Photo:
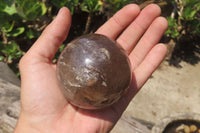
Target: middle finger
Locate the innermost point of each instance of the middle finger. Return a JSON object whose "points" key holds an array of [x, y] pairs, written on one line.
{"points": [[136, 29]]}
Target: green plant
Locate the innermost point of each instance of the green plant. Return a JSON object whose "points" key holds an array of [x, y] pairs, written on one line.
{"points": [[16, 26], [10, 52], [191, 15], [185, 18], [115, 5], [30, 9], [172, 30], [184, 30], [90, 6], [71, 4], [14, 13]]}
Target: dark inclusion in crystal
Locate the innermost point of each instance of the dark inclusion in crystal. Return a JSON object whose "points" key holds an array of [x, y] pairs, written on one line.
{"points": [[93, 72]]}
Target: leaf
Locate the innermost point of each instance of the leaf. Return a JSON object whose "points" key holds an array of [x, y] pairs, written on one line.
{"points": [[189, 13], [30, 34], [172, 28], [10, 10], [61, 47], [175, 34], [16, 32], [91, 6], [12, 50], [44, 9], [172, 22], [84, 8], [10, 28], [30, 9], [197, 6]]}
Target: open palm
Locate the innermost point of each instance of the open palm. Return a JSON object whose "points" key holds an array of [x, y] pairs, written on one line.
{"points": [[45, 110]]}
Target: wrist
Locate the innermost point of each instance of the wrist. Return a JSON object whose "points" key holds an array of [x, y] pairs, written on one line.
{"points": [[24, 126], [29, 124]]}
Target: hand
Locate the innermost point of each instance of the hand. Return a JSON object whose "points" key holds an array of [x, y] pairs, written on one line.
{"points": [[43, 107]]}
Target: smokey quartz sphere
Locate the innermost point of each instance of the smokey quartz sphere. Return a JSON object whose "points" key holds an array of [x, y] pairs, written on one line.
{"points": [[93, 72]]}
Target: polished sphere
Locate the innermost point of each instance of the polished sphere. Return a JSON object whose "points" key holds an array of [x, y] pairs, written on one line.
{"points": [[93, 72]]}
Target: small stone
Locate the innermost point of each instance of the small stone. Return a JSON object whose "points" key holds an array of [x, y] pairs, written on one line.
{"points": [[179, 128], [186, 129], [193, 128]]}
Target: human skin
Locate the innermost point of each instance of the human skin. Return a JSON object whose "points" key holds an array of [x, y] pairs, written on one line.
{"points": [[43, 107]]}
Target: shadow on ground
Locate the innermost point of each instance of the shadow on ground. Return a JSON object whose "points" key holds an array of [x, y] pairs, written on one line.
{"points": [[187, 49]]}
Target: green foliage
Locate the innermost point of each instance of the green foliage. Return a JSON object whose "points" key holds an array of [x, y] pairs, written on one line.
{"points": [[191, 7], [22, 21], [172, 28], [6, 14], [16, 32], [71, 4], [10, 10], [190, 3], [30, 34], [188, 21], [15, 25], [10, 51], [30, 9], [115, 5], [189, 13], [91, 6]]}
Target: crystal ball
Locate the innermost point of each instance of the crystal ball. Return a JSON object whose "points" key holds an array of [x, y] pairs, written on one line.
{"points": [[93, 72]]}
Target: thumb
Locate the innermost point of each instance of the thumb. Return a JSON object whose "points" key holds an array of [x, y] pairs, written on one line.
{"points": [[52, 37]]}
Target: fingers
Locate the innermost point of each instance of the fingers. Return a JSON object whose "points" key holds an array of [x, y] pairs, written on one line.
{"points": [[141, 75], [115, 25], [151, 37], [129, 38], [52, 37], [149, 64]]}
